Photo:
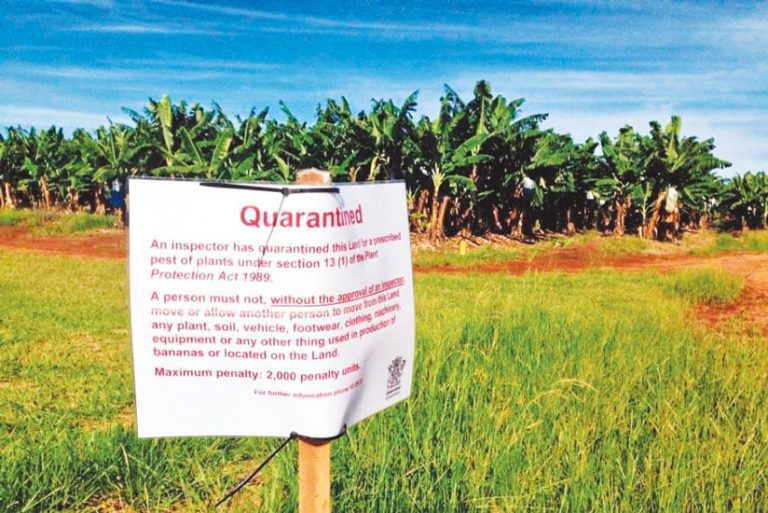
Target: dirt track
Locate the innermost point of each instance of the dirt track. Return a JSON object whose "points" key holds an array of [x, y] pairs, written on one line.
{"points": [[104, 244], [752, 306]]}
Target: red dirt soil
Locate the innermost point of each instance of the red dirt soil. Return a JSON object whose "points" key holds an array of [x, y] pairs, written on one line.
{"points": [[102, 244], [751, 307], [752, 267]]}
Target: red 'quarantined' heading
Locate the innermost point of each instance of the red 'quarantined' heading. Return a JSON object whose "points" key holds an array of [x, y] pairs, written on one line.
{"points": [[251, 215]]}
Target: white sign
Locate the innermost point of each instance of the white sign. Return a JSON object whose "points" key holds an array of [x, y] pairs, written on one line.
{"points": [[268, 310]]}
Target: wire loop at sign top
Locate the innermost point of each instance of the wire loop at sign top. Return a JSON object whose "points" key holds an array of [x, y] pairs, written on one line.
{"points": [[317, 441], [285, 191]]}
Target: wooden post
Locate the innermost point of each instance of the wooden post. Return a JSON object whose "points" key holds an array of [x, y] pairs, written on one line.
{"points": [[314, 458], [314, 477]]}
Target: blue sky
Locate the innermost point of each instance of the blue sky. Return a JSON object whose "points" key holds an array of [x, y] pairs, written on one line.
{"points": [[592, 65]]}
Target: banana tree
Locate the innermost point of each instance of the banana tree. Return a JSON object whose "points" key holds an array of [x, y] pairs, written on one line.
{"points": [[11, 166], [474, 128], [512, 143], [623, 174], [274, 160], [295, 144], [446, 165], [700, 201], [45, 156], [114, 153], [200, 159], [72, 182], [6, 175], [176, 134], [342, 143], [248, 158], [565, 170], [746, 198], [675, 161], [391, 128]]}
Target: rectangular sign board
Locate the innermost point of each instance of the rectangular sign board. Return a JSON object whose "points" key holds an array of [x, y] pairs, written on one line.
{"points": [[265, 310]]}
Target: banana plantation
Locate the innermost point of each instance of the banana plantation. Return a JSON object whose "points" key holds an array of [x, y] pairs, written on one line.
{"points": [[479, 168]]}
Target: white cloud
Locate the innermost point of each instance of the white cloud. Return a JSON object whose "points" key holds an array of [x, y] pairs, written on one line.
{"points": [[45, 117], [142, 28], [739, 138], [144, 72], [223, 9], [299, 23], [104, 4], [562, 88], [624, 25], [73, 72], [180, 61], [749, 30]]}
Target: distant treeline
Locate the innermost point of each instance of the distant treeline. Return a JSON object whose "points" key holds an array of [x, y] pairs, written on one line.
{"points": [[478, 168]]}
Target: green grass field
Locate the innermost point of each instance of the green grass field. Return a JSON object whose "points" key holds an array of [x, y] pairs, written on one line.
{"points": [[749, 241], [56, 222], [587, 392]]}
